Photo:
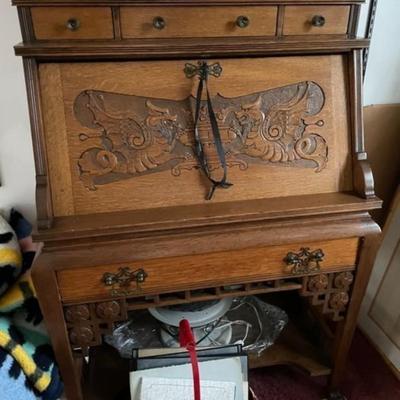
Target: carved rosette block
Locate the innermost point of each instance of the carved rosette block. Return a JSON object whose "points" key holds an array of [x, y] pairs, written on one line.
{"points": [[77, 313], [318, 283], [329, 292], [81, 336], [109, 310], [87, 323], [343, 280], [338, 301]]}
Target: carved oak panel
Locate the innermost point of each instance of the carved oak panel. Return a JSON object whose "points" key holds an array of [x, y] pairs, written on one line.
{"points": [[138, 135]]}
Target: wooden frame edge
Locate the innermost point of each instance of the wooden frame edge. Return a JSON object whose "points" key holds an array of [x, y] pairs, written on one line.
{"points": [[43, 197]]}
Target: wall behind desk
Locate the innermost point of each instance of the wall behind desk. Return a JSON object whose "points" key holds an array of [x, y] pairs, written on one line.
{"points": [[17, 168]]}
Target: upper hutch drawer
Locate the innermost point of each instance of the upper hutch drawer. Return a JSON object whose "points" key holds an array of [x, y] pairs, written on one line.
{"points": [[316, 20], [154, 22], [72, 23]]}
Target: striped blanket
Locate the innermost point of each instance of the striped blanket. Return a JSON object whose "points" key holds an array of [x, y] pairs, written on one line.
{"points": [[27, 367]]}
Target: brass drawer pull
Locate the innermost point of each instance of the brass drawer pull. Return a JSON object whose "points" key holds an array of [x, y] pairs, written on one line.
{"points": [[242, 21], [305, 261], [159, 23], [120, 282], [318, 21], [73, 24]]}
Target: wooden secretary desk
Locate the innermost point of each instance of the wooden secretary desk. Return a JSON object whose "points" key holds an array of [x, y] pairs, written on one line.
{"points": [[188, 150]]}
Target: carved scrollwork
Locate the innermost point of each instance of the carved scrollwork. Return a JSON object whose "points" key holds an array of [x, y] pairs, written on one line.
{"points": [[133, 135]]}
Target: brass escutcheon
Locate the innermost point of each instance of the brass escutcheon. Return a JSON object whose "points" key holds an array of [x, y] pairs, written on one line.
{"points": [[305, 261], [120, 282]]}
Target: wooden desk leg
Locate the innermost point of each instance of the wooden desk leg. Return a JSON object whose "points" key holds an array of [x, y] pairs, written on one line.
{"points": [[346, 329], [45, 283]]}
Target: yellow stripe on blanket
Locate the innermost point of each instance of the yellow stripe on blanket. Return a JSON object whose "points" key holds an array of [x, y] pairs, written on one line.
{"points": [[10, 256], [25, 361], [14, 297]]}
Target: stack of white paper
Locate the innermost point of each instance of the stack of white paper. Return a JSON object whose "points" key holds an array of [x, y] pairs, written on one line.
{"points": [[222, 378], [182, 389]]}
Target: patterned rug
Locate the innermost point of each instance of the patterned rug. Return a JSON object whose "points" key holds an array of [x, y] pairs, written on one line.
{"points": [[367, 377]]}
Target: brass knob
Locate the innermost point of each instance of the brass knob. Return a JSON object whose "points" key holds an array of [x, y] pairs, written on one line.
{"points": [[242, 21], [109, 279], [318, 21], [159, 23], [73, 24], [141, 276]]}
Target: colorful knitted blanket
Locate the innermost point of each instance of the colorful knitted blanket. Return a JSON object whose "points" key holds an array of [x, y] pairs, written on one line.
{"points": [[27, 367]]}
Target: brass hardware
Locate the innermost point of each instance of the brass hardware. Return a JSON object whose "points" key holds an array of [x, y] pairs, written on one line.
{"points": [[305, 261], [120, 282], [318, 21], [159, 23], [73, 24], [242, 21], [202, 69]]}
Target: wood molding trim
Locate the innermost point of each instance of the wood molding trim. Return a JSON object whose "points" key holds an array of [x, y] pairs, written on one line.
{"points": [[179, 48], [43, 197], [176, 2], [363, 179], [201, 240], [354, 20], [25, 20]]}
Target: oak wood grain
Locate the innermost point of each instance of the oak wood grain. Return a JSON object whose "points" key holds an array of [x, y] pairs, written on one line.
{"points": [[56, 141], [184, 242], [51, 23], [166, 80], [177, 2], [50, 304], [345, 330], [43, 194], [298, 20], [142, 49], [203, 270], [191, 218], [137, 22]]}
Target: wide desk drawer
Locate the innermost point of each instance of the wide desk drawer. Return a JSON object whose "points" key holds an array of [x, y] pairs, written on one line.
{"points": [[72, 23], [170, 22], [187, 272], [316, 20]]}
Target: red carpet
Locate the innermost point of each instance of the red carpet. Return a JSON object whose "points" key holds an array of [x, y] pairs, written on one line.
{"points": [[367, 378]]}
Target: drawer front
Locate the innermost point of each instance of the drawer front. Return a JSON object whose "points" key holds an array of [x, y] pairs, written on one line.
{"points": [[316, 20], [155, 22], [72, 23], [201, 271]]}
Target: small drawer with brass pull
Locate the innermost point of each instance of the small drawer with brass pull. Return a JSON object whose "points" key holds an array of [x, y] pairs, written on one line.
{"points": [[174, 22], [316, 20], [55, 23]]}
